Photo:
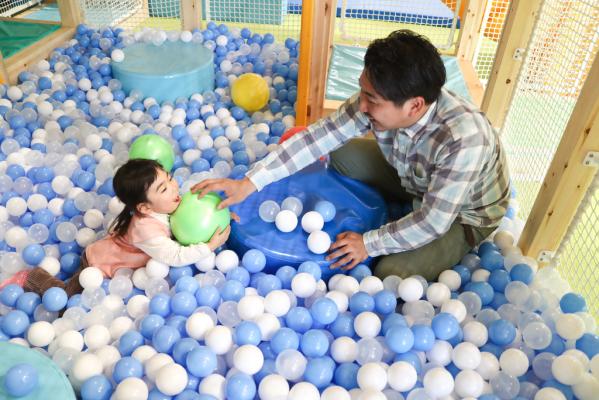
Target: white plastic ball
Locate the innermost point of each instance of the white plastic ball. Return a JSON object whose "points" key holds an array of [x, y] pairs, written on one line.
{"points": [[410, 289], [248, 359], [549, 393], [372, 376], [86, 366], [344, 349], [213, 385], [367, 324], [567, 369], [273, 387], [91, 278], [286, 221], [51, 265], [319, 242], [466, 356], [438, 293], [171, 379], [451, 279], [250, 307], [219, 339], [131, 389], [40, 333], [303, 391], [226, 260], [312, 221], [155, 363], [489, 365], [198, 324], [402, 376], [277, 303], [303, 285], [469, 383], [438, 382], [514, 362], [476, 333]]}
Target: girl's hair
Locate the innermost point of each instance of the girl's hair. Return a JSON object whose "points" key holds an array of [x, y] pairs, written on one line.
{"points": [[131, 183]]}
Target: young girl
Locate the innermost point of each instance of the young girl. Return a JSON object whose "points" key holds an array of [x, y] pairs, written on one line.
{"points": [[140, 232]]}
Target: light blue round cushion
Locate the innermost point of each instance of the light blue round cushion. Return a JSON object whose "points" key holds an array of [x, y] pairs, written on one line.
{"points": [[52, 383], [166, 72]]}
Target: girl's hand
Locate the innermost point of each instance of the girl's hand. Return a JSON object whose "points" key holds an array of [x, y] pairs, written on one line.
{"points": [[219, 238], [234, 217]]}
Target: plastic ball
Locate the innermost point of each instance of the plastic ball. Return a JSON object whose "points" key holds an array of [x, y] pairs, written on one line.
{"points": [[196, 220], [268, 210], [171, 379], [21, 380], [40, 334], [250, 92], [286, 221], [131, 389], [273, 387], [54, 299], [153, 147], [410, 289], [438, 382], [248, 359], [312, 221], [326, 209], [469, 383], [319, 242], [240, 386], [91, 277], [401, 376], [201, 362]]}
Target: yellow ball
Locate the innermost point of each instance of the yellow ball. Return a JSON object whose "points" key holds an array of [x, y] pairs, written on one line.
{"points": [[250, 92]]}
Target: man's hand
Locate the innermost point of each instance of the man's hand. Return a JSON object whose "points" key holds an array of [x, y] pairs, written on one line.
{"points": [[235, 190], [349, 250]]}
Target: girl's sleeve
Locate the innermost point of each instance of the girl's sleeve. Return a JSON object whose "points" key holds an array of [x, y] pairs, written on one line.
{"points": [[169, 252]]}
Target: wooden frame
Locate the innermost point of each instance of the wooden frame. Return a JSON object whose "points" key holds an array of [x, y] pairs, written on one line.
{"points": [[191, 14], [519, 23], [568, 178], [70, 15], [467, 42], [305, 64]]}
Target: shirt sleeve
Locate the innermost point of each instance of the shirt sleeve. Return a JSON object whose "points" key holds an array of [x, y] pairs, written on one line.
{"points": [[457, 169], [319, 139], [169, 252]]}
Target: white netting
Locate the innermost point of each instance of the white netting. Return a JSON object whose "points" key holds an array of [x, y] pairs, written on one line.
{"points": [[8, 8], [564, 41], [361, 21], [281, 18], [132, 14], [490, 34], [578, 255]]}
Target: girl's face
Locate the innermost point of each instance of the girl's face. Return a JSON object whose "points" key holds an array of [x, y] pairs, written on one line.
{"points": [[163, 195]]}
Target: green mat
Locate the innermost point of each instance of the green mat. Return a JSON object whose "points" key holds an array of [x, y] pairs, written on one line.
{"points": [[15, 36], [347, 63]]}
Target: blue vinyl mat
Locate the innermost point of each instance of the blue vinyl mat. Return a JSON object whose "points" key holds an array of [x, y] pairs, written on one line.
{"points": [[347, 63]]}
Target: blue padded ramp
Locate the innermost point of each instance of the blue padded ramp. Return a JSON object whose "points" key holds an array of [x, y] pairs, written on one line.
{"points": [[359, 209]]}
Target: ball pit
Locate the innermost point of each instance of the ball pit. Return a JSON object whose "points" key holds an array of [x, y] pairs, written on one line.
{"points": [[493, 327]]}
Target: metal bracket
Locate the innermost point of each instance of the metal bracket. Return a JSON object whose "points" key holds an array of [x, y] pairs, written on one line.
{"points": [[519, 54], [591, 159], [545, 256]]}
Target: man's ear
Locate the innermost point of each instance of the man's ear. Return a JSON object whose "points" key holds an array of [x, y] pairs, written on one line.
{"points": [[416, 105]]}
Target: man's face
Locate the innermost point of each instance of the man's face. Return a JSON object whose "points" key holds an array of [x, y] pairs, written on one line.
{"points": [[384, 114]]}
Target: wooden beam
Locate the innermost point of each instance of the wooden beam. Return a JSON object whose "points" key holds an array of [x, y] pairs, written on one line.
{"points": [[70, 13], [324, 26], [517, 30], [32, 54], [191, 14], [3, 72], [470, 29], [568, 178], [30, 21], [305, 63], [330, 106], [475, 88]]}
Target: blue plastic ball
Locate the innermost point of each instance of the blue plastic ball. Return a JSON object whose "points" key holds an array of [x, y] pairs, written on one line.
{"points": [[33, 254], [201, 361], [127, 367], [54, 299], [400, 339], [572, 303], [320, 371], [240, 386], [312, 268], [314, 343], [21, 380], [247, 332], [324, 310], [283, 339], [98, 387], [254, 260], [502, 332], [445, 326], [10, 294], [522, 273]]}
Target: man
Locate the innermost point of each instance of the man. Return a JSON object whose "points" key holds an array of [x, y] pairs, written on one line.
{"points": [[430, 147]]}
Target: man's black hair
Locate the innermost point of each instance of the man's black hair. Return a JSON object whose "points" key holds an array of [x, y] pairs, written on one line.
{"points": [[404, 65]]}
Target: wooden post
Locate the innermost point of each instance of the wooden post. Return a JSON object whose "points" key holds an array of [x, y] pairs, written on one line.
{"points": [[470, 29], [305, 63], [3, 71], [469, 35], [191, 14], [568, 177], [517, 30], [70, 13], [324, 26]]}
